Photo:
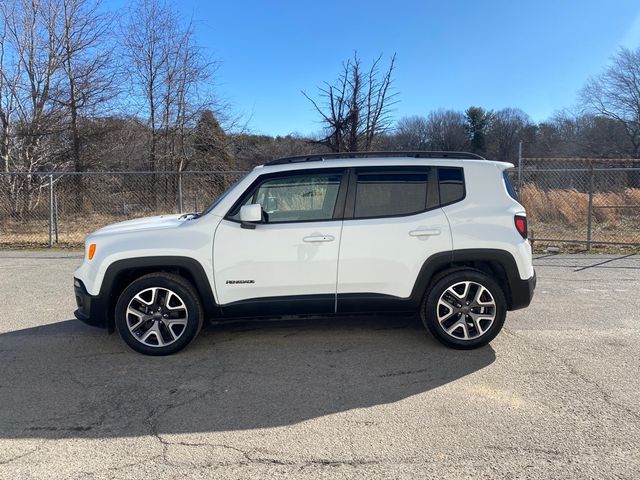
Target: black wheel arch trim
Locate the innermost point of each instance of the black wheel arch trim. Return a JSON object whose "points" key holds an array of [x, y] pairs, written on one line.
{"points": [[116, 279], [518, 292]]}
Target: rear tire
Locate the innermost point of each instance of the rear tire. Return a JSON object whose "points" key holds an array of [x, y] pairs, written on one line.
{"points": [[159, 314], [465, 309]]}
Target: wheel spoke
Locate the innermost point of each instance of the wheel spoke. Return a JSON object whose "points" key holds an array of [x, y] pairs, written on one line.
{"points": [[154, 295], [155, 331], [454, 327], [460, 296], [476, 299], [451, 310], [167, 302], [476, 322]]}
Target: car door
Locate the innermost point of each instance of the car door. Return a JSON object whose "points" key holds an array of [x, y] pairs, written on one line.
{"points": [[288, 263], [393, 223]]}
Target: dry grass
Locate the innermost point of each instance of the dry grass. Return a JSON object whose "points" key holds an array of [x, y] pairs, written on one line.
{"points": [[71, 230], [558, 214], [570, 207], [562, 214]]}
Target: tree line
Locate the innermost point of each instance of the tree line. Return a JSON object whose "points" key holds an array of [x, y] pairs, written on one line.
{"points": [[84, 89]]}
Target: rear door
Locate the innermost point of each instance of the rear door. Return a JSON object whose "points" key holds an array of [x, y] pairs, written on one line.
{"points": [[393, 223]]}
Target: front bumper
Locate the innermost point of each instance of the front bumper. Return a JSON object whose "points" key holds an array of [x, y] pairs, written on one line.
{"points": [[92, 310], [522, 292]]}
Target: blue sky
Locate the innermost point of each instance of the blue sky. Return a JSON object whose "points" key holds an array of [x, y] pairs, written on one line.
{"points": [[535, 55]]}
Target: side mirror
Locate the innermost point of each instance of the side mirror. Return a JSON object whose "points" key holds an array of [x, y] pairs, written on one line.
{"points": [[250, 215]]}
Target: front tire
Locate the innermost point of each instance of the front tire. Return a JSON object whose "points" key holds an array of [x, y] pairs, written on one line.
{"points": [[465, 309], [158, 314]]}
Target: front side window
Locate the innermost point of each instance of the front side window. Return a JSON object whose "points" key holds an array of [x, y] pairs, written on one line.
{"points": [[390, 194], [299, 198]]}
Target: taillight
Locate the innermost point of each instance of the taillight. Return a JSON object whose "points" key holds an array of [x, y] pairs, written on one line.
{"points": [[521, 225]]}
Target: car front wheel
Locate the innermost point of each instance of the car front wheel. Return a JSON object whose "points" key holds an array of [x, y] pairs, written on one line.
{"points": [[465, 309], [158, 314]]}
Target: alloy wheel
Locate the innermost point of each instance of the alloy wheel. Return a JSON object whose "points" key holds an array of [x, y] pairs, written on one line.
{"points": [[157, 317], [466, 310]]}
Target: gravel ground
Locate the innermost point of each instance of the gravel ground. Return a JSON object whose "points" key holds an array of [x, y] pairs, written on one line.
{"points": [[556, 395]]}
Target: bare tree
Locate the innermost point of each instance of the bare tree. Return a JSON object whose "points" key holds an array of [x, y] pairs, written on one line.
{"points": [[508, 127], [147, 40], [31, 65], [356, 108], [440, 130], [169, 77], [615, 94], [89, 72], [446, 130], [412, 133]]}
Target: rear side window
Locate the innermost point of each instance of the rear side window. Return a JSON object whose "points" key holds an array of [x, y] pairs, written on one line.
{"points": [[390, 194], [510, 189], [451, 182]]}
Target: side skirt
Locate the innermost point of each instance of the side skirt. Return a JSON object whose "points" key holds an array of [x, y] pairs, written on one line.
{"points": [[317, 304]]}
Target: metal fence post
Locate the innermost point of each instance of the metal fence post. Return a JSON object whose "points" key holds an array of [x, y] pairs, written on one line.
{"points": [[51, 211], [180, 191], [55, 216], [519, 167], [590, 208]]}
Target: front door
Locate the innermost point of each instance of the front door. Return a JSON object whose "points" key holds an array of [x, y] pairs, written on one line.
{"points": [[287, 264]]}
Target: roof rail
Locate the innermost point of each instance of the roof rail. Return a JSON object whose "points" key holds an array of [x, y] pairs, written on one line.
{"points": [[318, 157]]}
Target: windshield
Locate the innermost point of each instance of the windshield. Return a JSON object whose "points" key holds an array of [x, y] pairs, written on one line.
{"points": [[222, 196]]}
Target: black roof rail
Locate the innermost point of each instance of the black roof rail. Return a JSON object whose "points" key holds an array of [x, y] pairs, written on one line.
{"points": [[318, 157]]}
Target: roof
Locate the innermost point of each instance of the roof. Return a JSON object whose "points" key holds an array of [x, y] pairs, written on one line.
{"points": [[315, 157], [352, 159]]}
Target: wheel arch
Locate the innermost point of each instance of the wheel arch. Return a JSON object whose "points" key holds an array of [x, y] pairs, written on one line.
{"points": [[499, 264], [122, 272]]}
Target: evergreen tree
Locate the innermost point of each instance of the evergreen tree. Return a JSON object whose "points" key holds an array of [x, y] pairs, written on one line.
{"points": [[478, 121]]}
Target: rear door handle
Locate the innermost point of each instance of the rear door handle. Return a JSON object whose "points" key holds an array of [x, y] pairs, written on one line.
{"points": [[319, 238], [425, 233]]}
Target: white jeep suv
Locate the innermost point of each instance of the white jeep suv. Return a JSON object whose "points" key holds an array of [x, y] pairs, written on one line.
{"points": [[439, 233]]}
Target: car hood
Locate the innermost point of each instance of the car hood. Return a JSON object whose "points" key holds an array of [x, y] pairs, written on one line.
{"points": [[147, 223]]}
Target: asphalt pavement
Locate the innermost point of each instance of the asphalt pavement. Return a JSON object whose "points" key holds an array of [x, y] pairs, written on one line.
{"points": [[555, 396]]}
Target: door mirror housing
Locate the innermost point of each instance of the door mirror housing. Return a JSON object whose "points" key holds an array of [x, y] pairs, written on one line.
{"points": [[250, 215]]}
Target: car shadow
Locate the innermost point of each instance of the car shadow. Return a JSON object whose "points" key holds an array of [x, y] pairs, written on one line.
{"points": [[70, 380]]}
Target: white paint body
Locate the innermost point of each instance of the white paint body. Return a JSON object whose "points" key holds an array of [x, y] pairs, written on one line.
{"points": [[381, 256]]}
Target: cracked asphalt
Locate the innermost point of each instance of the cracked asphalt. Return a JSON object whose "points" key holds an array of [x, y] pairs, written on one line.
{"points": [[556, 395]]}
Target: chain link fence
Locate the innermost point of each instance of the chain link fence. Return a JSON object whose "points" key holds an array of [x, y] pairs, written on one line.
{"points": [[61, 208], [579, 201]]}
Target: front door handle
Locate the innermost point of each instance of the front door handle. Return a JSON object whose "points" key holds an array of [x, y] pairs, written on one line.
{"points": [[425, 233], [319, 238]]}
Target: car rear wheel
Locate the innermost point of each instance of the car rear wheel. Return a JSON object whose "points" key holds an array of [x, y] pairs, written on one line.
{"points": [[158, 314], [465, 309]]}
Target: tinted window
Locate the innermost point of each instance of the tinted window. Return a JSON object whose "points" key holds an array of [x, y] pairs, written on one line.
{"points": [[509, 186], [298, 198], [390, 194], [451, 185]]}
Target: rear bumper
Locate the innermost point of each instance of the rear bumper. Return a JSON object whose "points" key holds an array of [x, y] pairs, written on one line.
{"points": [[91, 310], [522, 292]]}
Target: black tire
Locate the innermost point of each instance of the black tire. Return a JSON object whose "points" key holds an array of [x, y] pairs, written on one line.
{"points": [[429, 310], [186, 293]]}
